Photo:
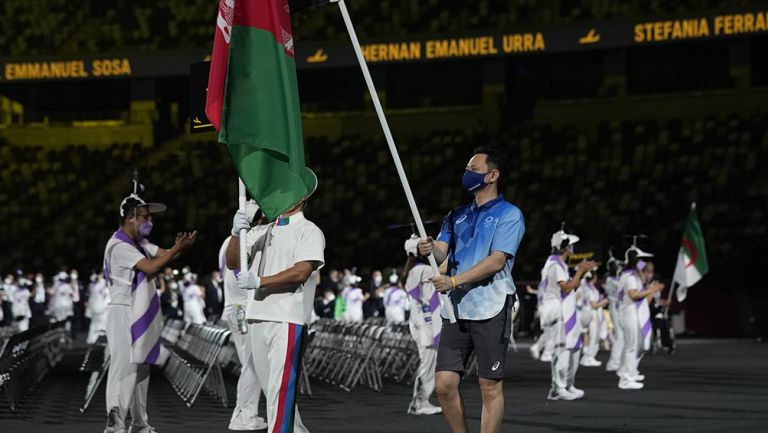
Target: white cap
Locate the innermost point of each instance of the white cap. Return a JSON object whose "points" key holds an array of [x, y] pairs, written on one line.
{"points": [[134, 201], [412, 246], [640, 253], [351, 279], [560, 237]]}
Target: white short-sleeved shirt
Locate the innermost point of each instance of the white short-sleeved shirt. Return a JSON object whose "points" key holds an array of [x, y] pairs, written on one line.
{"points": [[298, 240], [353, 303], [555, 273], [629, 280], [121, 264], [233, 295], [395, 304], [589, 294], [611, 287]]}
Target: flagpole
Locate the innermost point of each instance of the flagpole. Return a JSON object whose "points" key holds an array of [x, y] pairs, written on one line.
{"points": [[669, 298], [243, 232], [391, 143]]}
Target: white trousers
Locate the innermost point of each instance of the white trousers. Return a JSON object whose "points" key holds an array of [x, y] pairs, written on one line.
{"points": [[630, 356], [593, 345], [565, 362], [98, 325], [248, 386], [618, 338], [193, 312], [127, 383], [424, 385], [549, 312], [276, 358]]}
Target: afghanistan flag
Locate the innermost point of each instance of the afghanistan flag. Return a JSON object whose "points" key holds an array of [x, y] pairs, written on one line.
{"points": [[253, 101], [692, 259]]}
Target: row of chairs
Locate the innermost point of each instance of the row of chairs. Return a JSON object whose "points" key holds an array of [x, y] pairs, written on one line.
{"points": [[27, 357], [96, 362], [351, 353], [193, 362]]}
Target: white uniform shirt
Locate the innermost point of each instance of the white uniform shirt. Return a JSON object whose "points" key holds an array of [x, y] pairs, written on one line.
{"points": [[395, 304], [353, 304], [611, 287], [20, 307], [233, 295], [122, 262], [98, 298], [425, 322], [589, 294], [554, 275], [629, 280], [62, 303], [299, 240]]}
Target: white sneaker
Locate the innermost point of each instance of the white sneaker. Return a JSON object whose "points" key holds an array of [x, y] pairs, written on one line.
{"points": [[561, 394], [250, 423], [426, 409], [638, 377], [579, 393], [590, 362], [546, 357], [534, 349], [611, 367], [625, 383]]}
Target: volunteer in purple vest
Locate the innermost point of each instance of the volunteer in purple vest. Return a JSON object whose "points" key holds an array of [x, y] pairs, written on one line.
{"points": [[425, 325], [633, 303], [395, 301], [592, 303], [611, 286], [134, 321], [558, 311]]}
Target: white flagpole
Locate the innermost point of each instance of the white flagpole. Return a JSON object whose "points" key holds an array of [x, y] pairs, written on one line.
{"points": [[243, 232], [669, 298], [391, 143]]}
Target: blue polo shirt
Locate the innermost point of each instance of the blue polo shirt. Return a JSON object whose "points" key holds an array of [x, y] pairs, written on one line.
{"points": [[472, 232]]}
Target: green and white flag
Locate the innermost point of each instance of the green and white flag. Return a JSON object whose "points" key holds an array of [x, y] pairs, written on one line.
{"points": [[692, 262]]}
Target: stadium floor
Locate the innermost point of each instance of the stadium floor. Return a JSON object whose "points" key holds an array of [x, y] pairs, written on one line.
{"points": [[707, 386]]}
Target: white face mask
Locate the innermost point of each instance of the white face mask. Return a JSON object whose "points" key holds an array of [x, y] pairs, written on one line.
{"points": [[38, 279], [377, 280], [8, 281]]}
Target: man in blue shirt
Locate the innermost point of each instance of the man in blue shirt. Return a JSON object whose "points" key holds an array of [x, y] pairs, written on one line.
{"points": [[479, 241]]}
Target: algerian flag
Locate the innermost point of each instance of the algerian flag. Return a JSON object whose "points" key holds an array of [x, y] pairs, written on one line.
{"points": [[260, 115], [692, 259]]}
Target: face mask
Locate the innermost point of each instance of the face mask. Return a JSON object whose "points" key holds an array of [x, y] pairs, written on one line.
{"points": [[8, 281], [472, 181], [377, 280], [39, 279], [145, 229]]}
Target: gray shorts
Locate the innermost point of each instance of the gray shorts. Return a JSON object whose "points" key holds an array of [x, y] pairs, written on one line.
{"points": [[488, 339]]}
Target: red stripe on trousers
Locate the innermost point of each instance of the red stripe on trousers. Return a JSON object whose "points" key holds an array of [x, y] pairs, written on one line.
{"points": [[287, 368]]}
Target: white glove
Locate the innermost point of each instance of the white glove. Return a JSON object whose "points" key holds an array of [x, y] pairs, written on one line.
{"points": [[240, 221], [248, 281]]}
